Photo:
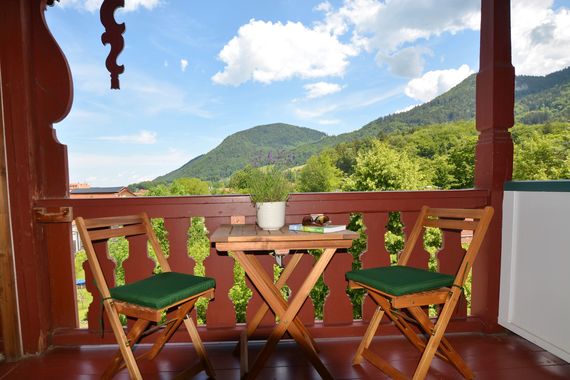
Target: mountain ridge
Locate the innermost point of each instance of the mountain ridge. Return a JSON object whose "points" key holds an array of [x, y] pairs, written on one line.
{"points": [[261, 143], [539, 99]]}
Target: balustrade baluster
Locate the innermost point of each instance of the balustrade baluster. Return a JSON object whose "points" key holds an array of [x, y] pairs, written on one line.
{"points": [[375, 254], [307, 312], [448, 259], [338, 308], [221, 310], [419, 257], [138, 265], [177, 233], [108, 267], [256, 301]]}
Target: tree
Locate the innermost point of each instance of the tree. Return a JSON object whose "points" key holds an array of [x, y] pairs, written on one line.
{"points": [[383, 168], [319, 175], [160, 190], [239, 181], [542, 157], [440, 170], [189, 186], [462, 160], [344, 154], [181, 186]]}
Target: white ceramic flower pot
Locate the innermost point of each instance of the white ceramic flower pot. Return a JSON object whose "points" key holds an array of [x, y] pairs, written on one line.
{"points": [[270, 215]]}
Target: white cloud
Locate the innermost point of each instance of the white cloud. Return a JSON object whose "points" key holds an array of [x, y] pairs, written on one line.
{"points": [[434, 83], [408, 62], [95, 5], [325, 6], [387, 26], [540, 37], [142, 137], [183, 64], [316, 90], [132, 5], [266, 52]]}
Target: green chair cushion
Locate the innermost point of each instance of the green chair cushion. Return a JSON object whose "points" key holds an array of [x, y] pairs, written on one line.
{"points": [[162, 290], [399, 280]]}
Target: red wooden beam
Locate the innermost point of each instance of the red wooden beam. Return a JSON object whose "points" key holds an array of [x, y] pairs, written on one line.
{"points": [[36, 92], [494, 151], [10, 328]]}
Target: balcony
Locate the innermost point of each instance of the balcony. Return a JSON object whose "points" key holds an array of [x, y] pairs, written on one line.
{"points": [[38, 289], [337, 333]]}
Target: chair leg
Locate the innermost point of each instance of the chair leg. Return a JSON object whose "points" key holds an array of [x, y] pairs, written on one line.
{"points": [[400, 323], [124, 343], [367, 338], [199, 347], [445, 346], [170, 330], [118, 362], [435, 339]]}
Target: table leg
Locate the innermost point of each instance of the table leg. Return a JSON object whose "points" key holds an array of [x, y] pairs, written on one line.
{"points": [[288, 315], [256, 320], [281, 282], [269, 285]]}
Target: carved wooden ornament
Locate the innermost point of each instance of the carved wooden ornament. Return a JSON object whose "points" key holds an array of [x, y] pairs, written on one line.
{"points": [[113, 36]]}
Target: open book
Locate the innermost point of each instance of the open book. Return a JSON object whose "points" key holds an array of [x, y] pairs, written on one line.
{"points": [[318, 229]]}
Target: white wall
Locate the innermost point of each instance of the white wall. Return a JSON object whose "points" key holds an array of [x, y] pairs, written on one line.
{"points": [[535, 268]]}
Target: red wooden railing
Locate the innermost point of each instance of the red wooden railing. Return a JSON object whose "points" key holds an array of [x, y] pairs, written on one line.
{"points": [[221, 323]]}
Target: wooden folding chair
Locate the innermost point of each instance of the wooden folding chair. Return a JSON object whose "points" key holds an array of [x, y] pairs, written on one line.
{"points": [[146, 299], [400, 291]]}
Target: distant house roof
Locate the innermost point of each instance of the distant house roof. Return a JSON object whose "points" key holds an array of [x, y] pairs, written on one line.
{"points": [[98, 190], [101, 192]]}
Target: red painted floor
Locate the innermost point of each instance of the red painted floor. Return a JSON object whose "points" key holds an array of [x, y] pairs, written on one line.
{"points": [[492, 357]]}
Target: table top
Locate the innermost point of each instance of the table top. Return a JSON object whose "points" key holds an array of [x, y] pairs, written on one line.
{"points": [[251, 237]]}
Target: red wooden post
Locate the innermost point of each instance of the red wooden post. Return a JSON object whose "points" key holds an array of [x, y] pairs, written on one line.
{"points": [[494, 152], [36, 92], [9, 328]]}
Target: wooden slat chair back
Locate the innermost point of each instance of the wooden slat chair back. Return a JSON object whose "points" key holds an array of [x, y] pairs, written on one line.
{"points": [[401, 291], [147, 299]]}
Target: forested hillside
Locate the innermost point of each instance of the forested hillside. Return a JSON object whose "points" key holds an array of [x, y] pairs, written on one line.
{"points": [[539, 100], [261, 143]]}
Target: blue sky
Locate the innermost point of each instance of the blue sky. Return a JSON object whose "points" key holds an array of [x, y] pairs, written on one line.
{"points": [[197, 71]]}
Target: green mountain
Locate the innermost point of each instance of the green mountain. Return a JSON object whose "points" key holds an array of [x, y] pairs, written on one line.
{"points": [[538, 100], [543, 99], [262, 144]]}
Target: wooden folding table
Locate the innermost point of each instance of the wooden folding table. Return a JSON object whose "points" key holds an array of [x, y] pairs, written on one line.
{"points": [[245, 239]]}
